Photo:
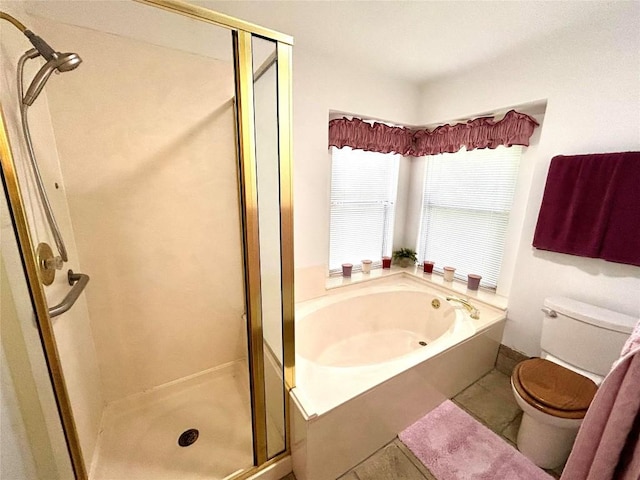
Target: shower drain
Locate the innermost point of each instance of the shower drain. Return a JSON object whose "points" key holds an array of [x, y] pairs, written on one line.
{"points": [[424, 344], [188, 437]]}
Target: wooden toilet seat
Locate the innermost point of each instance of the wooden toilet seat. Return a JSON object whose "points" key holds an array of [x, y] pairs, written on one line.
{"points": [[553, 389]]}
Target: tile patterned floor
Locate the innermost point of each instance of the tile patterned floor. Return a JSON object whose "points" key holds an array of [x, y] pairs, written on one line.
{"points": [[392, 462], [489, 400]]}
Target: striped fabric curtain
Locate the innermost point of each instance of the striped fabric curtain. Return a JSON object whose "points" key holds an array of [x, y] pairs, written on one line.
{"points": [[514, 129]]}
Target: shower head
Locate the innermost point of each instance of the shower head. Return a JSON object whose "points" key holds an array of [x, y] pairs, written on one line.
{"points": [[62, 62], [67, 61]]}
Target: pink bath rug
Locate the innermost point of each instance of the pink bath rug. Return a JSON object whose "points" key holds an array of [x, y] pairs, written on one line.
{"points": [[454, 446]]}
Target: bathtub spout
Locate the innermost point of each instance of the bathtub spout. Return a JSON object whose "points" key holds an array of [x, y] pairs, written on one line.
{"points": [[473, 311]]}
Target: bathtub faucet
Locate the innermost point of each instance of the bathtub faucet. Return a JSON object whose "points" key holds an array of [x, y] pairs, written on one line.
{"points": [[473, 311]]}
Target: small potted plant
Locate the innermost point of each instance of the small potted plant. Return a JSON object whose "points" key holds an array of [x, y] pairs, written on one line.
{"points": [[405, 257]]}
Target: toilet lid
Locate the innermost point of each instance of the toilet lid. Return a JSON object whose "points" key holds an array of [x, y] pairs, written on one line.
{"points": [[556, 386]]}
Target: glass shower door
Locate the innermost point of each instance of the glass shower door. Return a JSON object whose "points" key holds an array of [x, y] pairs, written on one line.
{"points": [[265, 87], [141, 165], [266, 173], [157, 226], [170, 182], [33, 438]]}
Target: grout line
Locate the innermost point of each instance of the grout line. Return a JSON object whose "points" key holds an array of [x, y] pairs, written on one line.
{"points": [[424, 471], [353, 470]]}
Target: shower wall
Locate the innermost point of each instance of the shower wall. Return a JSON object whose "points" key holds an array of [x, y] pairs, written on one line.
{"points": [[146, 138], [72, 330]]}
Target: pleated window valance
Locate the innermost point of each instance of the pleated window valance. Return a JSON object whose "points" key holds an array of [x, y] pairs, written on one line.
{"points": [[514, 129]]}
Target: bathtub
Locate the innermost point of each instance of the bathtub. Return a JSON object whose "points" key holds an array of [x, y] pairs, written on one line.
{"points": [[374, 326], [371, 360]]}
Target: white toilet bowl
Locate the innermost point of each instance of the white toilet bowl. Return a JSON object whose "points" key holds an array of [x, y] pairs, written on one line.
{"points": [[554, 401], [544, 439]]}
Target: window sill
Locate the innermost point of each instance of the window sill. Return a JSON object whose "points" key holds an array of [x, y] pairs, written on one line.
{"points": [[436, 280]]}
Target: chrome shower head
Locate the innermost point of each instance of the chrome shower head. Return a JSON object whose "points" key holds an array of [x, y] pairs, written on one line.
{"points": [[62, 62], [67, 61]]}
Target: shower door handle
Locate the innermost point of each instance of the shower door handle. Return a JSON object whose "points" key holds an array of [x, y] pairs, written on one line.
{"points": [[79, 282]]}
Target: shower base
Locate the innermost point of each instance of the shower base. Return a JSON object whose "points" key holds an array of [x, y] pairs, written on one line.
{"points": [[139, 434]]}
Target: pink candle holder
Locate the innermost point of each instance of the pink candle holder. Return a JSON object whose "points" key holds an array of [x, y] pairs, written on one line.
{"points": [[346, 269], [473, 281], [427, 266], [386, 262]]}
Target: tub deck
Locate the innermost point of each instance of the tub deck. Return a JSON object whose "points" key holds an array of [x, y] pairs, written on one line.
{"points": [[341, 415]]}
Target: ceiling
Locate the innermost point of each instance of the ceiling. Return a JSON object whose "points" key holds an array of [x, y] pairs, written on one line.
{"points": [[412, 40], [418, 40]]}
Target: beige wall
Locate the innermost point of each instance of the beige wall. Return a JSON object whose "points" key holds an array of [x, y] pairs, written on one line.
{"points": [[147, 149]]}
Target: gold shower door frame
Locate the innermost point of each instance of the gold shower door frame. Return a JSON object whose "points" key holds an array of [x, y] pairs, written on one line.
{"points": [[242, 35]]}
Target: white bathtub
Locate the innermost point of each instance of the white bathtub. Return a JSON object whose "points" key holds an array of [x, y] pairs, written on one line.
{"points": [[363, 375], [373, 326]]}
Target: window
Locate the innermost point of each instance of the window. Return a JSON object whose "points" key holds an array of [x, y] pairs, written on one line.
{"points": [[465, 210], [363, 198]]}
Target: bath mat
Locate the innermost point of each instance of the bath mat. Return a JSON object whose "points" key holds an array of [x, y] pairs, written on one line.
{"points": [[454, 446]]}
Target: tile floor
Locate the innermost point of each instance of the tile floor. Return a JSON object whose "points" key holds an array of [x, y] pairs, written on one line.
{"points": [[489, 400]]}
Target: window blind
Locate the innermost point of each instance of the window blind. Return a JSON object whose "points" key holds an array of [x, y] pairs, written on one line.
{"points": [[465, 210], [363, 197]]}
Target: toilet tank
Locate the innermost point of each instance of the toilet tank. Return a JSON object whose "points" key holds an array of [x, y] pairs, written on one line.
{"points": [[585, 336]]}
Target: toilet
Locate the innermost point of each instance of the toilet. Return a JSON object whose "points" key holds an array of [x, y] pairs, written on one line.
{"points": [[579, 344]]}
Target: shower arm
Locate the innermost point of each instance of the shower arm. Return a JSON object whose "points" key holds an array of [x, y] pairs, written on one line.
{"points": [[46, 205]]}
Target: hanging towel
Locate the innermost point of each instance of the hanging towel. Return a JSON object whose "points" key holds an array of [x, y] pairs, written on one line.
{"points": [[608, 444], [591, 207], [632, 343]]}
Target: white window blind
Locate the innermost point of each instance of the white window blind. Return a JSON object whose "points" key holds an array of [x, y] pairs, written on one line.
{"points": [[465, 210], [363, 197]]}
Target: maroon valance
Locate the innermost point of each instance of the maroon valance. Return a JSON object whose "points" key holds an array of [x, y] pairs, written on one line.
{"points": [[372, 137], [514, 129]]}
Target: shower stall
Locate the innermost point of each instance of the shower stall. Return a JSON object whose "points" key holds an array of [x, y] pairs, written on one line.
{"points": [[160, 168]]}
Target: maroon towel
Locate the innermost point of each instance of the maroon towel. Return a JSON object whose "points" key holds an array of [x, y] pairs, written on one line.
{"points": [[591, 207]]}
